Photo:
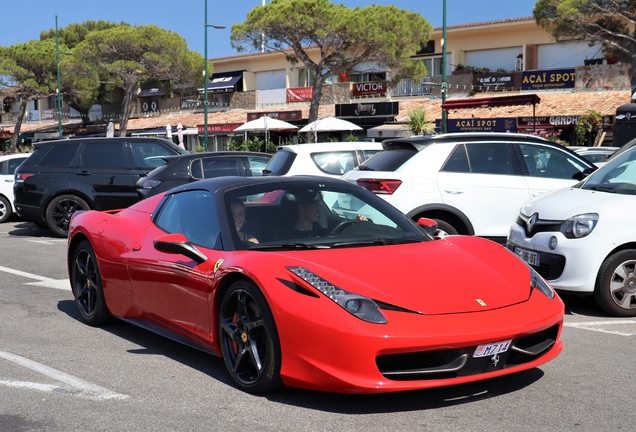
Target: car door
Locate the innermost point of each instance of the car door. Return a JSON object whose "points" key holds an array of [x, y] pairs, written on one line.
{"points": [[168, 287], [484, 181], [549, 168], [102, 171], [7, 170]]}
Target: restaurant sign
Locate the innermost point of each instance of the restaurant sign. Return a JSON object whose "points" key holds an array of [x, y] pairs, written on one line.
{"points": [[299, 94], [480, 125], [368, 109], [493, 81], [219, 127], [546, 122], [369, 89], [280, 115], [548, 79]]}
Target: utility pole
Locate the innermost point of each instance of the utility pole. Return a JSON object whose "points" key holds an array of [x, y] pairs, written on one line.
{"points": [[59, 91], [444, 85], [205, 77]]}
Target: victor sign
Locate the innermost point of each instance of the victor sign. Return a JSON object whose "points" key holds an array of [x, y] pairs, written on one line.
{"points": [[369, 89]]}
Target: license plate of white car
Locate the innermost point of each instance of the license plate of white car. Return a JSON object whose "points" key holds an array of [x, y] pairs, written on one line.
{"points": [[491, 349], [532, 258]]}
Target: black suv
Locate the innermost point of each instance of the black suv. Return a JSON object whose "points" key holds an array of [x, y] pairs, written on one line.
{"points": [[63, 176], [185, 169]]}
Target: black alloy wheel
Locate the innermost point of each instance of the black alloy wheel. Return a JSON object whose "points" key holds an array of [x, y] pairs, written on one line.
{"points": [[249, 340], [86, 283], [60, 210]]}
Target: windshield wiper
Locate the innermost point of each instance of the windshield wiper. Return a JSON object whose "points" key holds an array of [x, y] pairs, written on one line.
{"points": [[602, 189], [377, 242], [283, 246]]}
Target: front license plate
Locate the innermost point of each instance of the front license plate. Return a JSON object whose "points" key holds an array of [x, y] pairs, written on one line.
{"points": [[492, 348], [532, 258]]}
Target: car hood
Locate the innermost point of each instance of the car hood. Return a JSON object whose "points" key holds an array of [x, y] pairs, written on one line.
{"points": [[562, 204], [456, 274]]}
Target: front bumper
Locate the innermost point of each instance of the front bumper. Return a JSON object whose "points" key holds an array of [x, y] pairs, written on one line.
{"points": [[572, 266]]}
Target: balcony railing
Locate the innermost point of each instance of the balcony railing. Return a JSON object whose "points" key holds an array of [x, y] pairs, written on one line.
{"points": [[409, 87]]}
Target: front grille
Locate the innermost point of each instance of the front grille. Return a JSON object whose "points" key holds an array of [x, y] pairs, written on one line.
{"points": [[457, 362], [532, 227]]}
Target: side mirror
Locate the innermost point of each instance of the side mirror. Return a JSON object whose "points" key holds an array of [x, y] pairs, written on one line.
{"points": [[179, 244], [429, 225], [586, 172]]}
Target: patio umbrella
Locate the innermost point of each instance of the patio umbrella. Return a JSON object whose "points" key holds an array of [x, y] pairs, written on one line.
{"points": [[180, 135], [168, 131], [265, 124], [329, 124]]}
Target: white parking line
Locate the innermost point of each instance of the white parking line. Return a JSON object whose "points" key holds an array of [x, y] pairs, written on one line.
{"points": [[78, 387], [594, 326], [62, 284], [47, 242]]}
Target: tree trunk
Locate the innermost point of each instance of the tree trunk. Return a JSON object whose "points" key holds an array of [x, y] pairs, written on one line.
{"points": [[125, 109], [18, 125], [315, 98]]}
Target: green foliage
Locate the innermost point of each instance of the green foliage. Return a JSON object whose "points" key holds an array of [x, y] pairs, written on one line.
{"points": [[606, 22], [253, 143], [351, 138], [586, 124], [31, 68], [198, 149], [344, 38], [82, 86], [419, 124]]}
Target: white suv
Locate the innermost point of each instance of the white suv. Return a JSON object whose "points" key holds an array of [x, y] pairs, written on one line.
{"points": [[8, 164], [470, 183], [331, 159], [583, 239]]}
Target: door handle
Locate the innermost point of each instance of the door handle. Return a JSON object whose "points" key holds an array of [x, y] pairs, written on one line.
{"points": [[83, 173], [454, 191]]}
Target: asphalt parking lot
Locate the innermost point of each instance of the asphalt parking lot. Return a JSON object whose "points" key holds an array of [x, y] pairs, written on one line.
{"points": [[57, 374]]}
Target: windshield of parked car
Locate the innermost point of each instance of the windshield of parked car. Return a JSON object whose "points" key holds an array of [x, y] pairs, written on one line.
{"points": [[311, 215], [618, 176]]}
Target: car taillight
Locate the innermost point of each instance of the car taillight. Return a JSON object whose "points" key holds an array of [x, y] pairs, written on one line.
{"points": [[20, 177], [380, 186], [149, 184]]}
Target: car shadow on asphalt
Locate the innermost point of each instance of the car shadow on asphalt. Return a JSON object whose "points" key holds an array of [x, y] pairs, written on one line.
{"points": [[417, 400], [582, 305], [30, 229]]}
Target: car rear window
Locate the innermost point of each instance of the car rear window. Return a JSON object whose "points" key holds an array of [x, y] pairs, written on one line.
{"points": [[389, 159], [280, 163]]}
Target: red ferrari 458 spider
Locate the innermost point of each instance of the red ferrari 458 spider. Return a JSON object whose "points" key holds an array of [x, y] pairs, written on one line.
{"points": [[313, 282]]}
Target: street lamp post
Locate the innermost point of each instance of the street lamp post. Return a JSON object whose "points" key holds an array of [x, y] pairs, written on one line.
{"points": [[444, 85], [205, 77], [59, 92]]}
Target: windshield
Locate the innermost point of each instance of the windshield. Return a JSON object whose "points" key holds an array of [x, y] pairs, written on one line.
{"points": [[618, 176], [312, 215]]}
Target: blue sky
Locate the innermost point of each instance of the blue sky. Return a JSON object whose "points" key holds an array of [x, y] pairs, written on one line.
{"points": [[24, 20]]}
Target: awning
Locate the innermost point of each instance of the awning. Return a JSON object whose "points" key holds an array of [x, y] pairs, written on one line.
{"points": [[223, 82], [151, 92], [162, 132], [530, 99]]}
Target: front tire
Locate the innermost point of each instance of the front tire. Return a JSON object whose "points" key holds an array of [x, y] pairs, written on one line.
{"points": [[60, 210], [444, 229], [5, 209], [249, 339], [86, 283], [616, 284]]}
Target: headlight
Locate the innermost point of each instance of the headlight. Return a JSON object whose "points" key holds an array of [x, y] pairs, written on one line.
{"points": [[149, 184], [580, 225], [359, 306], [537, 282]]}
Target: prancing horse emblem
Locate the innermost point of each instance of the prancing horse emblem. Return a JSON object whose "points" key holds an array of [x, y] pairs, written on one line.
{"points": [[495, 360], [481, 302]]}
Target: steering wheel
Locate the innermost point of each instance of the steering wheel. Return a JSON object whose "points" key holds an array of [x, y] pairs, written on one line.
{"points": [[338, 229]]}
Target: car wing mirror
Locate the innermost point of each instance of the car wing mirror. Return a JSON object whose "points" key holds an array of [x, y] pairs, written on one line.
{"points": [[179, 244], [582, 174], [428, 225]]}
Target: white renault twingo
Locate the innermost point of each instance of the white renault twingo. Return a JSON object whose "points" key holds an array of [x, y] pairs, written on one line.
{"points": [[583, 238]]}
